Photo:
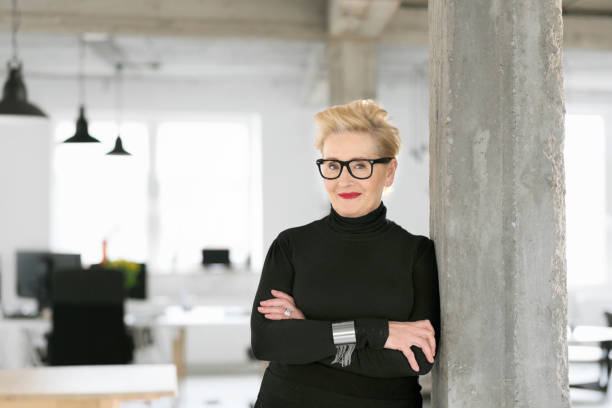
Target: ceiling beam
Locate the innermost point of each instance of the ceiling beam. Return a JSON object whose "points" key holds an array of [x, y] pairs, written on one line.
{"points": [[315, 90], [409, 27], [591, 32], [359, 18], [276, 19], [290, 20]]}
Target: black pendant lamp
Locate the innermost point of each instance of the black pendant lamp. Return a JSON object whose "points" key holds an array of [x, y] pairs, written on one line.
{"points": [[118, 149], [81, 135], [14, 96]]}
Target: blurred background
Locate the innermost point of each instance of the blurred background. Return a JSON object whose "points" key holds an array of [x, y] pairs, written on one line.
{"points": [[207, 109]]}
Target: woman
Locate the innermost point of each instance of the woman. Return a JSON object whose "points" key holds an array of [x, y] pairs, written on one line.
{"points": [[347, 308]]}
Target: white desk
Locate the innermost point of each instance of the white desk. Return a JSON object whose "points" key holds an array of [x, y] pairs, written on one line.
{"points": [[179, 318], [86, 386], [589, 334]]}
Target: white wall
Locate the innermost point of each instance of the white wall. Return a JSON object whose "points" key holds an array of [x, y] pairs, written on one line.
{"points": [[587, 303], [25, 154]]}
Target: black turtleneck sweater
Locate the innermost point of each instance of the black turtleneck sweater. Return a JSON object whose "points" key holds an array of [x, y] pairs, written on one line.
{"points": [[367, 269]]}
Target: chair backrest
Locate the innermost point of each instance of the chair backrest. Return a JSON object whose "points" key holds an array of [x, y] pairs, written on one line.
{"points": [[607, 345], [608, 318], [87, 287], [88, 318]]}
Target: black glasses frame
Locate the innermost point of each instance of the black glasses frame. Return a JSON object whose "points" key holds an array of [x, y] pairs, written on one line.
{"points": [[347, 165]]}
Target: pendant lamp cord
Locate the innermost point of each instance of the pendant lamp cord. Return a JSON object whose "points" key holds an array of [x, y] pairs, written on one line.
{"points": [[16, 21], [119, 95], [81, 71]]}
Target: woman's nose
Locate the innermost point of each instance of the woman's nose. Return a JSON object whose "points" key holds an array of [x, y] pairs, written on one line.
{"points": [[345, 176]]}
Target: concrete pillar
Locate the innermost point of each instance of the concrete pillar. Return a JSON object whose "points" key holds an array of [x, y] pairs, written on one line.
{"points": [[498, 202], [353, 70], [354, 28]]}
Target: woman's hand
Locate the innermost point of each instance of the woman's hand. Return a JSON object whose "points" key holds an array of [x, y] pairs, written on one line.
{"points": [[420, 333], [275, 308]]}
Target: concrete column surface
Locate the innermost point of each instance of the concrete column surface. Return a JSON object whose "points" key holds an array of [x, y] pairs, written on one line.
{"points": [[497, 209], [353, 70]]}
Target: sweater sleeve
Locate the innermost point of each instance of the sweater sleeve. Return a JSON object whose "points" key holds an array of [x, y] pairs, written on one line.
{"points": [[300, 341], [388, 363]]}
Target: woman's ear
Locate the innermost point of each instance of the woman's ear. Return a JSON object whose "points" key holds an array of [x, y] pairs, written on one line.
{"points": [[391, 172]]}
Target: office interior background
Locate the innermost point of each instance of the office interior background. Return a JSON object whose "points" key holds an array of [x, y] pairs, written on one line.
{"points": [[214, 102]]}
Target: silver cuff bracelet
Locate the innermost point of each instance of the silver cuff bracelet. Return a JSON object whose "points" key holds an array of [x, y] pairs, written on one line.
{"points": [[344, 332]]}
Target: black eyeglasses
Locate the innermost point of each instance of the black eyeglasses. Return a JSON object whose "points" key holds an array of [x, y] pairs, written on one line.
{"points": [[359, 168]]}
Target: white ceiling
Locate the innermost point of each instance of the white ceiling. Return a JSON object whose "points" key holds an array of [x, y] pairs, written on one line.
{"points": [[50, 55]]}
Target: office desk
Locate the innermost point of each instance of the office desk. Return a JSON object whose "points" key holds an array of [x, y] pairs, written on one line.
{"points": [[602, 336], [589, 334], [173, 316], [179, 318], [86, 386]]}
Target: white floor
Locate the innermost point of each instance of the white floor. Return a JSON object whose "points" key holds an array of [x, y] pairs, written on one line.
{"points": [[219, 391], [587, 398], [240, 391]]}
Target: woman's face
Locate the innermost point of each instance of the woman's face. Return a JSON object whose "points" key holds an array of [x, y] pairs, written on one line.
{"points": [[353, 145]]}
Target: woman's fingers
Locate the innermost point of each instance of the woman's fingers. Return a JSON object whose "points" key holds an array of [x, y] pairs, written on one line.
{"points": [[432, 344], [273, 312], [276, 316], [426, 349], [404, 335], [410, 356], [275, 308], [423, 329], [429, 337], [424, 324], [420, 343], [277, 312], [271, 309], [422, 339], [282, 295], [276, 302]]}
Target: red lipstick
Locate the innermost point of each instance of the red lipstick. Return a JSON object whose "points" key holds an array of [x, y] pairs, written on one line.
{"points": [[349, 195]]}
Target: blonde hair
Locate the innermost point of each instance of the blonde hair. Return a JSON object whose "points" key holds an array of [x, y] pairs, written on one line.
{"points": [[361, 115]]}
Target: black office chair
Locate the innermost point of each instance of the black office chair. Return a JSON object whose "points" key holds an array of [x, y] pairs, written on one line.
{"points": [[607, 347], [600, 355], [88, 312]]}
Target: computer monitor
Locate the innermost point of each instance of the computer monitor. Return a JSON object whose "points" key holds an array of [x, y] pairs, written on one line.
{"points": [[33, 273], [138, 288], [215, 256], [2, 313]]}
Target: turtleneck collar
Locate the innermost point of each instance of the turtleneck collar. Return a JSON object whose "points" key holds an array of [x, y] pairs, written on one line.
{"points": [[372, 222]]}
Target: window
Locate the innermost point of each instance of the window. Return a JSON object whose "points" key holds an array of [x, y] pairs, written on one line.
{"points": [[585, 199], [187, 186], [203, 174], [96, 197]]}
